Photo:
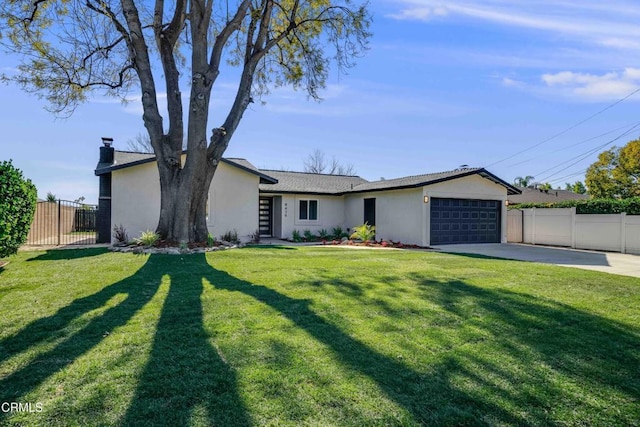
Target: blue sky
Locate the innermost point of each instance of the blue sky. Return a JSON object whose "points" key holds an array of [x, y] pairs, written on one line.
{"points": [[445, 83]]}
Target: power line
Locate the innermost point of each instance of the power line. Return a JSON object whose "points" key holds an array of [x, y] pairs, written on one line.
{"points": [[584, 141], [582, 156], [566, 130]]}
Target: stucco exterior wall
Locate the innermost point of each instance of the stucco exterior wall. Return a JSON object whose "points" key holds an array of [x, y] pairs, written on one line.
{"points": [[398, 214], [233, 200], [135, 198]]}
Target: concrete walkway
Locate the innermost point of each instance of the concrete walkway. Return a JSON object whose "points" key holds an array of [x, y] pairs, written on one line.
{"points": [[608, 262]]}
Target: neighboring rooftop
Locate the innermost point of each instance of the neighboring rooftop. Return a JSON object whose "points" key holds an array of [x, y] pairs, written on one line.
{"points": [[536, 195]]}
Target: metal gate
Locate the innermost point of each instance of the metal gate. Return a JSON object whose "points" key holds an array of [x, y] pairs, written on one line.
{"points": [[63, 223]]}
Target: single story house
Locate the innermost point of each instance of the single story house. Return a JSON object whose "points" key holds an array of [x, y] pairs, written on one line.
{"points": [[466, 205]]}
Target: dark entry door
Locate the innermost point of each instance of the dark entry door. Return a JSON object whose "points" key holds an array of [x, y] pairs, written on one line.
{"points": [[370, 211], [265, 215], [464, 221]]}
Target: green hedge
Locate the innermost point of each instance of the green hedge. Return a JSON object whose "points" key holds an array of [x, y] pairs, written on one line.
{"points": [[18, 199], [595, 206]]}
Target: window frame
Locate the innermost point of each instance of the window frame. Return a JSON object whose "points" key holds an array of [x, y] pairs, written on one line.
{"points": [[308, 210]]}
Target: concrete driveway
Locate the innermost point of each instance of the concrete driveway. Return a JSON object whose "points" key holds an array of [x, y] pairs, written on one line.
{"points": [[608, 262]]}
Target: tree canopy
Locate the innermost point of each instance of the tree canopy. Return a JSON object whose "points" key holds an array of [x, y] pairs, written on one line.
{"points": [[70, 48], [616, 173], [577, 187]]}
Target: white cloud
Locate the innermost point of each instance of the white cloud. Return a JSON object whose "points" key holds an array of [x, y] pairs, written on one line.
{"points": [[613, 24], [612, 85], [509, 82]]}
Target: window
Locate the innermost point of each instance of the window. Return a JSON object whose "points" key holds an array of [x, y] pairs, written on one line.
{"points": [[308, 210]]}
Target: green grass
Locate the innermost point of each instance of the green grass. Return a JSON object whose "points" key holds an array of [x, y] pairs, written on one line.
{"points": [[315, 336]]}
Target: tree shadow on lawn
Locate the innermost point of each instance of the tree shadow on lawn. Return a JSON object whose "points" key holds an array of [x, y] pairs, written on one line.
{"points": [[64, 253], [184, 373], [504, 357]]}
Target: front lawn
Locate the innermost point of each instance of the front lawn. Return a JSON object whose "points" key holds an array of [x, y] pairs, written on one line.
{"points": [[314, 336]]}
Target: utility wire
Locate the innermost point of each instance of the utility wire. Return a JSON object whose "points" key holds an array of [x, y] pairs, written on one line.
{"points": [[584, 141], [566, 130], [584, 155]]}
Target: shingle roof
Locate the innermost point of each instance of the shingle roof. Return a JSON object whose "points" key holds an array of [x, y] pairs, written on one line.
{"points": [[534, 195], [310, 183], [125, 159], [272, 181], [416, 180]]}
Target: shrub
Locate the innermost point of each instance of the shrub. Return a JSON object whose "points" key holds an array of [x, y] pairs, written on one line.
{"points": [[210, 240], [323, 234], [338, 233], [364, 232], [308, 235], [148, 238], [18, 199], [120, 234], [255, 237], [230, 236], [296, 236]]}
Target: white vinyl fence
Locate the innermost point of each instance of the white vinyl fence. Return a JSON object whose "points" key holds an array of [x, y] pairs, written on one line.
{"points": [[563, 227]]}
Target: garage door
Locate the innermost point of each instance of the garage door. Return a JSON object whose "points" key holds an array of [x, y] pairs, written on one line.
{"points": [[464, 221]]}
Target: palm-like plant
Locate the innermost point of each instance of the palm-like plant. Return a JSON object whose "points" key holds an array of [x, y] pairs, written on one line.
{"points": [[523, 182]]}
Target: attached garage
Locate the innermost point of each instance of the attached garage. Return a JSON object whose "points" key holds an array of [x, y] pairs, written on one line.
{"points": [[465, 221]]}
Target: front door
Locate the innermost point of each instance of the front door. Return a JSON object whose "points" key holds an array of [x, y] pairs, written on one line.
{"points": [[265, 215]]}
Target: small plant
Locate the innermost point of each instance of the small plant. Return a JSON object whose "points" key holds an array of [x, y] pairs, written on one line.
{"points": [[338, 233], [230, 236], [323, 234], [147, 238], [120, 234], [365, 232], [296, 236], [184, 246], [308, 235], [51, 197], [255, 237], [210, 240]]}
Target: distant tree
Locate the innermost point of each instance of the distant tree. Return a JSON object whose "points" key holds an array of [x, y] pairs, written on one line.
{"points": [[545, 187], [141, 143], [577, 187], [18, 198], [51, 197], [316, 163], [616, 173], [523, 181]]}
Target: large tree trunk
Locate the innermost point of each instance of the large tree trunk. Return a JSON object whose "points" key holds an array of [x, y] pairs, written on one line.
{"points": [[183, 202]]}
